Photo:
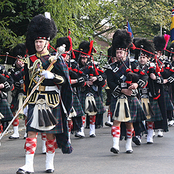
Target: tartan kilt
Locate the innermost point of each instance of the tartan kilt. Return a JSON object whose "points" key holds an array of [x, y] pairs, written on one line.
{"points": [[169, 104], [157, 113], [5, 110], [77, 120], [56, 112], [77, 106], [136, 111], [14, 104], [98, 100]]}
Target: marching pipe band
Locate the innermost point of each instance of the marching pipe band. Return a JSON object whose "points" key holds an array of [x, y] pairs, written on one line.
{"points": [[138, 90]]}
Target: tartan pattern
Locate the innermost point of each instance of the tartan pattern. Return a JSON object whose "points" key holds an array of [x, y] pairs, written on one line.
{"points": [[98, 100], [43, 136], [115, 131], [136, 110], [77, 106], [129, 133], [157, 113], [150, 125], [168, 101], [15, 122], [5, 110], [50, 145], [92, 120], [30, 145]]}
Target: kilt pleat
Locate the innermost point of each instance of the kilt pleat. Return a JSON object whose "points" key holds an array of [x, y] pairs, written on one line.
{"points": [[157, 113], [168, 101], [77, 106], [5, 110]]}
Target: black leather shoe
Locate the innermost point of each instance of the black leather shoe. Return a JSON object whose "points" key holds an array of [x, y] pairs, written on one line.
{"points": [[21, 171], [136, 140], [10, 137], [92, 135], [49, 171], [129, 151], [108, 124], [149, 142], [116, 151]]}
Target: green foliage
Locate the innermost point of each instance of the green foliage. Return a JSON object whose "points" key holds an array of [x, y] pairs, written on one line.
{"points": [[85, 18]]}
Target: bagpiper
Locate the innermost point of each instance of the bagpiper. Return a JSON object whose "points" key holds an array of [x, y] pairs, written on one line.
{"points": [[123, 82], [51, 102], [108, 91], [149, 94], [6, 84], [171, 59], [19, 51], [164, 100], [77, 80], [90, 93]]}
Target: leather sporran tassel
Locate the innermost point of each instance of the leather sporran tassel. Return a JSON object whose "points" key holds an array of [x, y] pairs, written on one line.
{"points": [[144, 108], [95, 107], [52, 118], [40, 117], [117, 110], [126, 110], [90, 106], [46, 118], [151, 112]]}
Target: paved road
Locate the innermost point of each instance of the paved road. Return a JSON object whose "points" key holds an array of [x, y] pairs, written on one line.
{"points": [[93, 156]]}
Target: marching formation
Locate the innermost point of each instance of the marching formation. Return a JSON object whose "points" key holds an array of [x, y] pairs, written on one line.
{"points": [[58, 92]]}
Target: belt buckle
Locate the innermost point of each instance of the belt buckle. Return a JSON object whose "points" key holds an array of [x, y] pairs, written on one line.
{"points": [[41, 88]]}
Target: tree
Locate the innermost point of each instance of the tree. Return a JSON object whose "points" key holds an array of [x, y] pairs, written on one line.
{"points": [[84, 17], [14, 18]]}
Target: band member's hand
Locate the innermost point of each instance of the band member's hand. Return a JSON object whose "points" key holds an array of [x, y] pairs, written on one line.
{"points": [[165, 81], [1, 86], [47, 74], [152, 76], [127, 92], [20, 63], [93, 79], [89, 83], [133, 86]]}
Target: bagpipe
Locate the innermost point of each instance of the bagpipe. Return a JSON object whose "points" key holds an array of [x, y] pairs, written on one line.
{"points": [[91, 69]]}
